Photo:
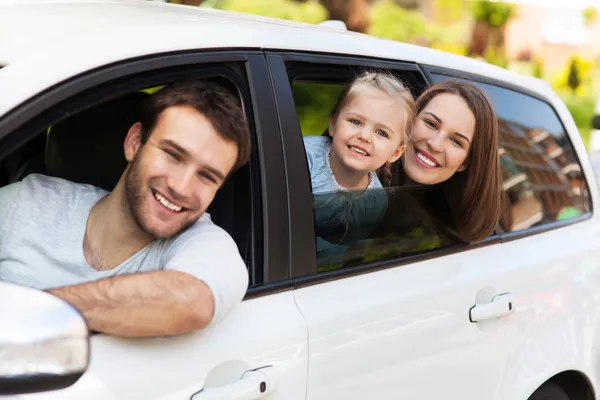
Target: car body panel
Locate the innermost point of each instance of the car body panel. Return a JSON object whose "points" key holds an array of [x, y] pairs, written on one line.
{"points": [[401, 331], [266, 331]]}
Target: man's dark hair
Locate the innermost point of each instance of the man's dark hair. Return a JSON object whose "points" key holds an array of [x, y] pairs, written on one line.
{"points": [[211, 99]]}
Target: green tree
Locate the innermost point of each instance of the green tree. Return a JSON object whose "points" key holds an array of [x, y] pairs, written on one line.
{"points": [[574, 78], [309, 11], [487, 37], [590, 14]]}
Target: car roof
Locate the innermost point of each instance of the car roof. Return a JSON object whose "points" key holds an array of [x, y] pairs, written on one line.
{"points": [[131, 28]]}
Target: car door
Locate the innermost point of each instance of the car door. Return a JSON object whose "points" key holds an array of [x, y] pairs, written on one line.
{"points": [[394, 320], [260, 349]]}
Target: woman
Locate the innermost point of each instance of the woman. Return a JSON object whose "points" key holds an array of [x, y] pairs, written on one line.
{"points": [[454, 145]]}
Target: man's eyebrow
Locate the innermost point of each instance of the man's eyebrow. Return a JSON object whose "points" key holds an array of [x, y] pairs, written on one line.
{"points": [[215, 172], [184, 152], [170, 143], [438, 119]]}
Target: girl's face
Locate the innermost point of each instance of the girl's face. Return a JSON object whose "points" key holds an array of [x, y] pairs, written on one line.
{"points": [[440, 140], [368, 132]]}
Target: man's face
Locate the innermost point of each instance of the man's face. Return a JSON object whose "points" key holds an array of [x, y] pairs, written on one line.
{"points": [[172, 178]]}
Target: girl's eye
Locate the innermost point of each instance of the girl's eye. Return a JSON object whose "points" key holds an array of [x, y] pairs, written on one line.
{"points": [[355, 121], [382, 133]]}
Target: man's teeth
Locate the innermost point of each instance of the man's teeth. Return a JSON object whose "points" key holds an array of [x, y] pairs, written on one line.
{"points": [[426, 160], [167, 203], [359, 151]]}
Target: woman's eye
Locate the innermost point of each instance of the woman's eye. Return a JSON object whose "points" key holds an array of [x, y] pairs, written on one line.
{"points": [[429, 124], [457, 142]]}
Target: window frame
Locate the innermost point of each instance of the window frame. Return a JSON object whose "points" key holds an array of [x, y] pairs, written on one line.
{"points": [[302, 236], [431, 70], [247, 69]]}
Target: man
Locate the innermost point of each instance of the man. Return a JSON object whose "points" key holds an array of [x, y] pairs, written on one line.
{"points": [[144, 259]]}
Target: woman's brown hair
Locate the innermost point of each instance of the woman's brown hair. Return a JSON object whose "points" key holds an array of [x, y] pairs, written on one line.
{"points": [[473, 195]]}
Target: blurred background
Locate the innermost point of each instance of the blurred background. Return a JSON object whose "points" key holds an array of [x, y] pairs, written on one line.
{"points": [[554, 40]]}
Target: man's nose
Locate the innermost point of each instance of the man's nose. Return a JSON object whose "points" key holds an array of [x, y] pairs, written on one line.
{"points": [[180, 183]]}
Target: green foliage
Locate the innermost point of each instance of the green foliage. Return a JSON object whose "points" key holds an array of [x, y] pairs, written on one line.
{"points": [[448, 11], [537, 69], [581, 108], [314, 104], [574, 78], [494, 13], [309, 11], [496, 57], [577, 70], [390, 21], [590, 14]]}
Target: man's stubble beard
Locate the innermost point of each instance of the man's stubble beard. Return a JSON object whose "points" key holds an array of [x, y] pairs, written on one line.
{"points": [[134, 196]]}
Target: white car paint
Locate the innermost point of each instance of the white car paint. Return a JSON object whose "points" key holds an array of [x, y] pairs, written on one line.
{"points": [[397, 333], [262, 332]]}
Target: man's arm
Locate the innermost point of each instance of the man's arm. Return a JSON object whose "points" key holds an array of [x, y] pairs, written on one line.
{"points": [[158, 303]]}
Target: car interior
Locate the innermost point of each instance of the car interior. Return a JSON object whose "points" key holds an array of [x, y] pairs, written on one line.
{"points": [[88, 148]]}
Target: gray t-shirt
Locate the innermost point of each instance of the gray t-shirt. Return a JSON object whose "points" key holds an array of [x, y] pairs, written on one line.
{"points": [[43, 222]]}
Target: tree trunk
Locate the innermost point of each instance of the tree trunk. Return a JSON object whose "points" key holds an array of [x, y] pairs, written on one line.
{"points": [[480, 38], [188, 2], [354, 13]]}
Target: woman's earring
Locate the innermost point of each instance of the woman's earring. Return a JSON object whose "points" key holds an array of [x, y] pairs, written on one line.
{"points": [[462, 168]]}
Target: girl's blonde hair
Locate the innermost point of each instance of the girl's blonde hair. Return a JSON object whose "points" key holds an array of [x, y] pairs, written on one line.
{"points": [[394, 88]]}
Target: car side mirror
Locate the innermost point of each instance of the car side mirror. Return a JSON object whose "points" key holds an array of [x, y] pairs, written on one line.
{"points": [[44, 341], [596, 122]]}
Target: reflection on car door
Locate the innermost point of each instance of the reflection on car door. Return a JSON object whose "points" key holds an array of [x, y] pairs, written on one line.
{"points": [[405, 333], [263, 332]]}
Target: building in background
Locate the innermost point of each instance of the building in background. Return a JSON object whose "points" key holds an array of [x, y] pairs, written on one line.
{"points": [[553, 30]]}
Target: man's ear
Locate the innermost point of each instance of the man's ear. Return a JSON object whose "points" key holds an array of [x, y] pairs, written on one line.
{"points": [[397, 154], [133, 141]]}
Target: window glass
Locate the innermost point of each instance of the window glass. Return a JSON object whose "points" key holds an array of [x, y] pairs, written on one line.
{"points": [[542, 178], [356, 227], [97, 159], [314, 103]]}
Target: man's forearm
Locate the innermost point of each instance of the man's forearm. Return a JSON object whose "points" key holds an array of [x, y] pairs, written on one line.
{"points": [[155, 303]]}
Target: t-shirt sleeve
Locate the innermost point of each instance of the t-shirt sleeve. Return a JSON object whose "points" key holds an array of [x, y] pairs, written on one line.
{"points": [[208, 253], [8, 197]]}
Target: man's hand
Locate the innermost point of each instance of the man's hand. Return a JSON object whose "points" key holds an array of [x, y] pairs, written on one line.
{"points": [[158, 303]]}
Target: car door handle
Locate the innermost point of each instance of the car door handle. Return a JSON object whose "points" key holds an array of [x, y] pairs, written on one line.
{"points": [[501, 305], [254, 384]]}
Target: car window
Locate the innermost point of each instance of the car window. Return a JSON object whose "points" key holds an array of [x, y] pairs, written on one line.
{"points": [[314, 102], [358, 227], [87, 148], [542, 178]]}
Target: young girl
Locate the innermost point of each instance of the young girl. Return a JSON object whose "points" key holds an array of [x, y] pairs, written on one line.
{"points": [[367, 133]]}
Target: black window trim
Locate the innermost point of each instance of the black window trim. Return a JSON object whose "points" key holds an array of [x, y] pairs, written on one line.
{"points": [[302, 247], [430, 70], [26, 121]]}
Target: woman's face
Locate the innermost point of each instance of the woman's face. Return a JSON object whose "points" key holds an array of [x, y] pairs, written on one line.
{"points": [[440, 140]]}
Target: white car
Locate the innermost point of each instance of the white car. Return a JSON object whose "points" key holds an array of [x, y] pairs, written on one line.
{"points": [[408, 316]]}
